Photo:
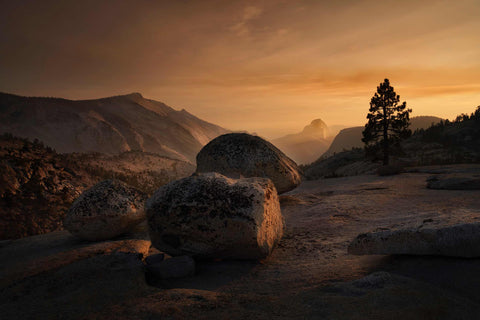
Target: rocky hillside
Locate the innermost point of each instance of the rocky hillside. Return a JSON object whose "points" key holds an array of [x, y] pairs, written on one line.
{"points": [[109, 125], [145, 171], [447, 141], [38, 185], [306, 146], [341, 164], [352, 137]]}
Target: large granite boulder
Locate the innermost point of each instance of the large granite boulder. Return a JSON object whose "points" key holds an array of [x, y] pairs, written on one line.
{"points": [[454, 182], [237, 155], [106, 210], [212, 216], [462, 240]]}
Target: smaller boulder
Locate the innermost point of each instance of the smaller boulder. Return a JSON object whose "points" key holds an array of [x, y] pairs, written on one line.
{"points": [[241, 155], [106, 210], [175, 267]]}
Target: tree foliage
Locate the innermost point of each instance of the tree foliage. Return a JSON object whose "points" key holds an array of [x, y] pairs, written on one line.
{"points": [[388, 122], [459, 139]]}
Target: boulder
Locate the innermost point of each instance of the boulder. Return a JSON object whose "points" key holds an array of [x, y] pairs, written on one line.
{"points": [[237, 155], [462, 240], [454, 182], [106, 210], [212, 216]]}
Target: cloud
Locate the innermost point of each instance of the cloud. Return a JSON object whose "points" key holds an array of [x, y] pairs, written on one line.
{"points": [[242, 28]]}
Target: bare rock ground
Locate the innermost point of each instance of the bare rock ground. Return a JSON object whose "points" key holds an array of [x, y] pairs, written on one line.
{"points": [[309, 275]]}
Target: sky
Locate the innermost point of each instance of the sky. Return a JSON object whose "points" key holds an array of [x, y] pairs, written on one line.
{"points": [[268, 67]]}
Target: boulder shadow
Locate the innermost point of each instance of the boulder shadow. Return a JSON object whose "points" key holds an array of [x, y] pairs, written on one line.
{"points": [[209, 275]]}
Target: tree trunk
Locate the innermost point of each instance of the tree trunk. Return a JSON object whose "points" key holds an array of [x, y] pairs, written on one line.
{"points": [[385, 137]]}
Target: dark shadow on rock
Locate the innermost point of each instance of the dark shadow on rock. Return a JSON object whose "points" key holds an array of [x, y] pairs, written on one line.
{"points": [[459, 275], [384, 295], [399, 287], [209, 275], [75, 290]]}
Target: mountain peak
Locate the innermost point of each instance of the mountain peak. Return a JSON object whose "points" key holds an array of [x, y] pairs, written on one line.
{"points": [[306, 146], [109, 125], [134, 96], [317, 123], [317, 127]]}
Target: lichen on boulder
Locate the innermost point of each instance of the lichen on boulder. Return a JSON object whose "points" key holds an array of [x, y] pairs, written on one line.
{"points": [[212, 216], [106, 210], [237, 155]]}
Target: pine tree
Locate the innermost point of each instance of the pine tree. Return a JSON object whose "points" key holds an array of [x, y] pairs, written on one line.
{"points": [[388, 122]]}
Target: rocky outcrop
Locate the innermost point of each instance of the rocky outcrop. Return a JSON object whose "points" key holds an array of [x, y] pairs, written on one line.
{"points": [[106, 210], [238, 155], [454, 182], [461, 240], [212, 216]]}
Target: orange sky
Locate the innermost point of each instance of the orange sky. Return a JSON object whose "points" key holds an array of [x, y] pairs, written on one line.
{"points": [[264, 66]]}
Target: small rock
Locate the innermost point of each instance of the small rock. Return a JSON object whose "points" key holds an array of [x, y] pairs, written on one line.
{"points": [[175, 267], [237, 155], [155, 258], [106, 210], [461, 240]]}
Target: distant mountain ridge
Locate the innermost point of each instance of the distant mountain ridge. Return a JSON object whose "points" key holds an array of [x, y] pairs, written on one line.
{"points": [[349, 138], [108, 125]]}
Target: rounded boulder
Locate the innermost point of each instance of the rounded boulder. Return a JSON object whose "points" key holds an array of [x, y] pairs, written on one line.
{"points": [[238, 155], [212, 216], [106, 210]]}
